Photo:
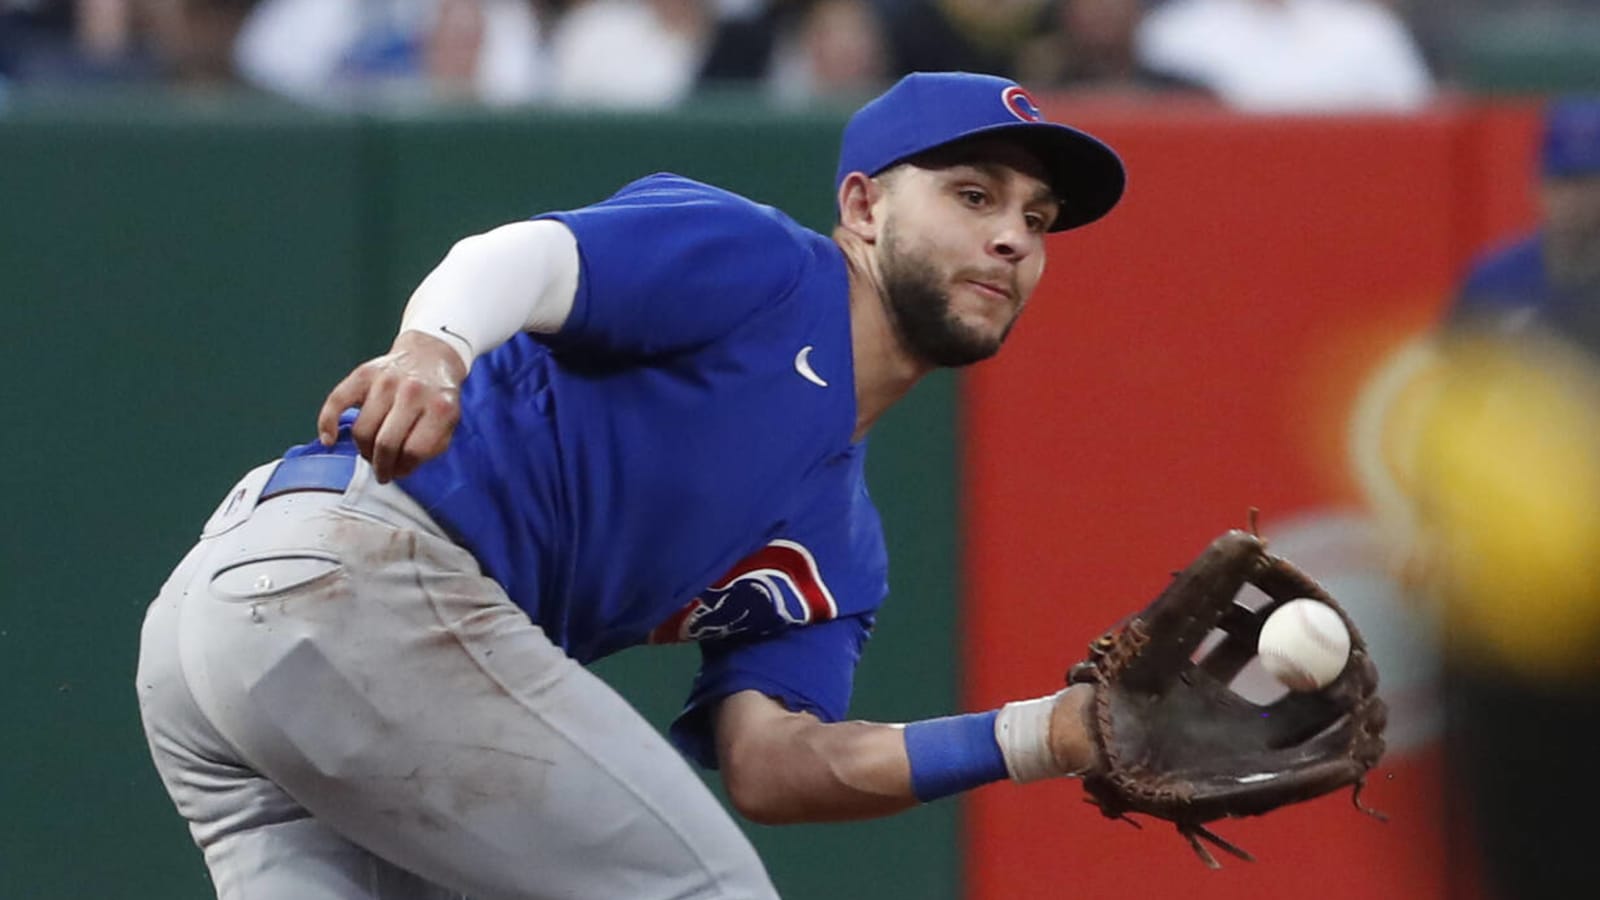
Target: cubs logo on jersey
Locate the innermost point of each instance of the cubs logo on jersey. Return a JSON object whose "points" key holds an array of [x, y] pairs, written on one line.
{"points": [[777, 587]]}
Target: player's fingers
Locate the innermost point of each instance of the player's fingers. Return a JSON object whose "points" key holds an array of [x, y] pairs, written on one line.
{"points": [[374, 411], [352, 391], [392, 436], [431, 434]]}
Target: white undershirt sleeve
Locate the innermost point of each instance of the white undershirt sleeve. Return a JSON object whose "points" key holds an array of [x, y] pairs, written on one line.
{"points": [[518, 277]]}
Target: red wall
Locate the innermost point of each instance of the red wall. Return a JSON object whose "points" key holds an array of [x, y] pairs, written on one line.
{"points": [[1196, 354]]}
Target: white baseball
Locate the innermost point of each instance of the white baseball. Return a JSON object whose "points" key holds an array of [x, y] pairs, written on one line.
{"points": [[1304, 644]]}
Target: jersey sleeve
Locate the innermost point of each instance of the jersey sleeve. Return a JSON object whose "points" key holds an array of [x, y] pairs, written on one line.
{"points": [[810, 669], [791, 619], [668, 264]]}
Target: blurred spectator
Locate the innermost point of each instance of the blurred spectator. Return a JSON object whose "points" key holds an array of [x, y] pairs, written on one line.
{"points": [[193, 39], [1276, 56], [967, 35], [628, 53], [841, 52], [798, 50], [744, 39], [836, 53], [1089, 44], [339, 52], [72, 41], [183, 42]]}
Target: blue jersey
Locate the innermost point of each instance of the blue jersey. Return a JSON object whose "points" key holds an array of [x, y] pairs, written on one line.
{"points": [[676, 463], [1509, 289], [1505, 281]]}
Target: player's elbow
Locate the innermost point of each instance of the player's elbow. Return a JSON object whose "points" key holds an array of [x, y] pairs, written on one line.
{"points": [[756, 790], [760, 810], [795, 769], [772, 760], [776, 775]]}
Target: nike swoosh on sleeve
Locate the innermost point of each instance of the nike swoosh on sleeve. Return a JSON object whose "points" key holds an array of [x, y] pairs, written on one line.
{"points": [[802, 364]]}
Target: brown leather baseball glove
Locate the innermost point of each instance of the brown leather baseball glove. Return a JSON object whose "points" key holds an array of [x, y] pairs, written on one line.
{"points": [[1175, 742]]}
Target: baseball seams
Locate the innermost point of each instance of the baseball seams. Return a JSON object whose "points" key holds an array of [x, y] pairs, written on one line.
{"points": [[1304, 645], [1293, 675]]}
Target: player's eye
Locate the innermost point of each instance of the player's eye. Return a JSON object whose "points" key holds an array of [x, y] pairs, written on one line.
{"points": [[973, 196], [1036, 223]]}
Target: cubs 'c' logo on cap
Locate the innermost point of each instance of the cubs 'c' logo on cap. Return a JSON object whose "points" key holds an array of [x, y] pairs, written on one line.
{"points": [[774, 588], [1020, 103]]}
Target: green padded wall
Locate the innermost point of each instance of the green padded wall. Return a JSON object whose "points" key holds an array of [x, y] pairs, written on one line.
{"points": [[183, 287], [190, 277]]}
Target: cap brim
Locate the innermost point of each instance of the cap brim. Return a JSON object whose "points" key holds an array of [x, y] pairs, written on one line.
{"points": [[1086, 175]]}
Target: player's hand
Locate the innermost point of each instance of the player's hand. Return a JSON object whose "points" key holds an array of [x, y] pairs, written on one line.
{"points": [[410, 400], [1070, 740]]}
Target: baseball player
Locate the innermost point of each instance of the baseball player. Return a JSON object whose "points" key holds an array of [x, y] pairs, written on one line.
{"points": [[641, 421], [1549, 279], [1541, 288]]}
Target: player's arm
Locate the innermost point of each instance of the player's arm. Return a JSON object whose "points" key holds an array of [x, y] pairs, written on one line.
{"points": [[518, 277], [783, 767]]}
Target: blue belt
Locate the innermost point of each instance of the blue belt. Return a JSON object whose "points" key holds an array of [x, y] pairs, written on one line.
{"points": [[329, 472]]}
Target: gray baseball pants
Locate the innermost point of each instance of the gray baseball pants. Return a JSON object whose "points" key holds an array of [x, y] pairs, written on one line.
{"points": [[342, 706]]}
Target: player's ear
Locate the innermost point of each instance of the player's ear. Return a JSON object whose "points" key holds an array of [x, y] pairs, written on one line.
{"points": [[858, 205]]}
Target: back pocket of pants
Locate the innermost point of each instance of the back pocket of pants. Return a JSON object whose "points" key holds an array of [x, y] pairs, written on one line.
{"points": [[268, 576]]}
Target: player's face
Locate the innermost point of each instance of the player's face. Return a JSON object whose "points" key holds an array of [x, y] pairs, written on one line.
{"points": [[962, 249], [1572, 230]]}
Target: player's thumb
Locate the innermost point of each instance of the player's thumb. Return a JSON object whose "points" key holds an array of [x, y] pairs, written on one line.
{"points": [[347, 393]]}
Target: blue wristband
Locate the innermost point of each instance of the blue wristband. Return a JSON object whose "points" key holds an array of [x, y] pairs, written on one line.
{"points": [[953, 754]]}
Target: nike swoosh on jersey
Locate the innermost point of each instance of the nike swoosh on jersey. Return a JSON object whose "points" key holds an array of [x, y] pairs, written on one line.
{"points": [[802, 364]]}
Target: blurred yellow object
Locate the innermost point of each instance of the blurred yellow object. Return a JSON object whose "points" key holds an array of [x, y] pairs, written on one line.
{"points": [[1506, 484]]}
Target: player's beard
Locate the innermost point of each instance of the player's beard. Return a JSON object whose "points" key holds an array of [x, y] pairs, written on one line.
{"points": [[919, 305]]}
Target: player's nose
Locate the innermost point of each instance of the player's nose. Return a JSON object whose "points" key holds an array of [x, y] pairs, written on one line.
{"points": [[1013, 241]]}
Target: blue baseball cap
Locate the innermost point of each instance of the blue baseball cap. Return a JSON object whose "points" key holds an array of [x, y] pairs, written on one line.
{"points": [[926, 110], [1571, 143]]}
